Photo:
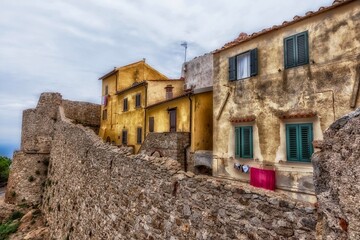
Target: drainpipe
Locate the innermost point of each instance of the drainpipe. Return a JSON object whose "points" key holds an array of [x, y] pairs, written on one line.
{"points": [[190, 126], [145, 109]]}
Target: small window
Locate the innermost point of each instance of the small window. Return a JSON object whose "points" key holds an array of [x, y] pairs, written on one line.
{"points": [[299, 139], [243, 65], [124, 137], [125, 105], [151, 124], [243, 142], [138, 100], [172, 120], [139, 135], [104, 116], [106, 90], [296, 50]]}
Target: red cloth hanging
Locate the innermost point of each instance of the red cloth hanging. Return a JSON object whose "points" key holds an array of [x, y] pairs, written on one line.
{"points": [[262, 178]]}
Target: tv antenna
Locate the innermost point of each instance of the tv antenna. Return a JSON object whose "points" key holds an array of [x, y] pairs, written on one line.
{"points": [[184, 44]]}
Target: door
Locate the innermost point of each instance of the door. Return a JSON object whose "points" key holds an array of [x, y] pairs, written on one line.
{"points": [[172, 115]]}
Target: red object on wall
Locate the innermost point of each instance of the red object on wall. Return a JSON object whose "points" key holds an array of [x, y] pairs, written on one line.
{"points": [[262, 178]]}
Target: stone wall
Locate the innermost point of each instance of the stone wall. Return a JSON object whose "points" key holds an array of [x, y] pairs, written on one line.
{"points": [[169, 144], [337, 178], [96, 191], [29, 167], [198, 72]]}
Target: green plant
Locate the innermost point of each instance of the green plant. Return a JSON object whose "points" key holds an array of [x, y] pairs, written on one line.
{"points": [[37, 172], [5, 163], [23, 205], [13, 194], [31, 179], [8, 228]]}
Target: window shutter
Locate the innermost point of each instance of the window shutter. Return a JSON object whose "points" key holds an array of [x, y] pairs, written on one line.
{"points": [[139, 135], [254, 62], [246, 137], [232, 68], [237, 142], [305, 142], [124, 137], [292, 142], [302, 48], [151, 124], [289, 45]]}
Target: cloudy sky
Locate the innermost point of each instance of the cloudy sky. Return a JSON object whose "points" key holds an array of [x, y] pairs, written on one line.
{"points": [[65, 46]]}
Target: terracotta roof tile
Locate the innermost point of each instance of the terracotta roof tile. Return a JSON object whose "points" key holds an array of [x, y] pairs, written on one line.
{"points": [[245, 37], [242, 119], [298, 115]]}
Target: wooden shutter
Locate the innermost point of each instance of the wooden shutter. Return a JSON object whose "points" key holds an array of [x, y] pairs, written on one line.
{"points": [[237, 142], [246, 140], [138, 100], [232, 68], [151, 124], [172, 114], [302, 49], [254, 62], [305, 135], [139, 135], [289, 51], [292, 142], [125, 108], [124, 137]]}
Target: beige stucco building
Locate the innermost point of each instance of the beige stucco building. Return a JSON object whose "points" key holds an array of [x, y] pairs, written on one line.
{"points": [[278, 90]]}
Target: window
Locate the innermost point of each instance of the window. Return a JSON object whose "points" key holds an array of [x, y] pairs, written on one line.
{"points": [[106, 90], [243, 65], [296, 50], [169, 91], [299, 139], [125, 105], [124, 137], [104, 117], [151, 124], [139, 135], [138, 100], [172, 113], [243, 142]]}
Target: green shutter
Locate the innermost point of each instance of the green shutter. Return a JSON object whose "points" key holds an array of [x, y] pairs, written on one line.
{"points": [[302, 49], [253, 62], [232, 68], [299, 142], [247, 145], [243, 142], [289, 51], [292, 142], [237, 142], [305, 135], [139, 135]]}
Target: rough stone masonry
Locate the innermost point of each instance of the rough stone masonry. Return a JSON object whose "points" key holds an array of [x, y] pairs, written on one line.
{"points": [[96, 191]]}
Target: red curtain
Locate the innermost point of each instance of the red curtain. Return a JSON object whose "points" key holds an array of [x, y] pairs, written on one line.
{"points": [[262, 178]]}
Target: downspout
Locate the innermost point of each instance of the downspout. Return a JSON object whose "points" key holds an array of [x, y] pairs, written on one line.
{"points": [[145, 109], [190, 128]]}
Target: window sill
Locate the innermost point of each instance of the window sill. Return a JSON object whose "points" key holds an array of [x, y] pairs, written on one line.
{"points": [[299, 65]]}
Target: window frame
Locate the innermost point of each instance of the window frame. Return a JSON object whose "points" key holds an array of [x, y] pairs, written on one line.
{"points": [[125, 104], [139, 135], [239, 142], [299, 142], [138, 100], [124, 137], [104, 114], [296, 50], [253, 65], [151, 124]]}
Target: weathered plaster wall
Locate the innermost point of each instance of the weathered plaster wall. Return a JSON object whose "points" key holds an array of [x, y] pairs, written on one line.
{"points": [[337, 178], [334, 45], [198, 72], [119, 196], [167, 144]]}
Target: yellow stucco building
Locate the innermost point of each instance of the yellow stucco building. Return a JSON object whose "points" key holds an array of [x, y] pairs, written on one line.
{"points": [[126, 91]]}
